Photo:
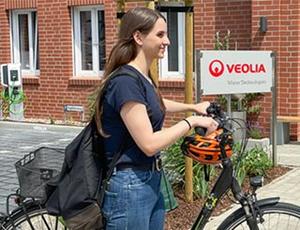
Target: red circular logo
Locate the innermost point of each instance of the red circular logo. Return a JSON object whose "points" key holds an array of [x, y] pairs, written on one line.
{"points": [[216, 68]]}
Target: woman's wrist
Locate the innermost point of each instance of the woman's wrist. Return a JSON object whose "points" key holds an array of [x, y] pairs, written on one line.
{"points": [[188, 123]]}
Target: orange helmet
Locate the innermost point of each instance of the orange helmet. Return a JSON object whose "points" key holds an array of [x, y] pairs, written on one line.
{"points": [[206, 150]]}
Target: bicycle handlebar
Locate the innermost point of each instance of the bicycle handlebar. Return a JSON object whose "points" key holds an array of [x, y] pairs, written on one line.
{"points": [[215, 111]]}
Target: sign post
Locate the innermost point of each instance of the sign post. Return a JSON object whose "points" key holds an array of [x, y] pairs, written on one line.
{"points": [[236, 72]]}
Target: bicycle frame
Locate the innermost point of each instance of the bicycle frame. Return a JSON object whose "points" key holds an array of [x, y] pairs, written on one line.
{"points": [[225, 181]]}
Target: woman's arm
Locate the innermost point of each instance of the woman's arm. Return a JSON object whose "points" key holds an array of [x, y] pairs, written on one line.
{"points": [[136, 119], [173, 106]]}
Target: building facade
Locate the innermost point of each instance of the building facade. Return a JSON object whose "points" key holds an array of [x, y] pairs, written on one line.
{"points": [[62, 46]]}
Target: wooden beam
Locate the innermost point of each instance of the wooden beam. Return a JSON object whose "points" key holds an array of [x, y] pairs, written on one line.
{"points": [[120, 9], [189, 54], [288, 119], [154, 65]]}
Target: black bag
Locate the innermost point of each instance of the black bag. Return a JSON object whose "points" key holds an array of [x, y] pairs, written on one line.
{"points": [[77, 192]]}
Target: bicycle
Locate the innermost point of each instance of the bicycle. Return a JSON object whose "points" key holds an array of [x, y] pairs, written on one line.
{"points": [[254, 214], [33, 171]]}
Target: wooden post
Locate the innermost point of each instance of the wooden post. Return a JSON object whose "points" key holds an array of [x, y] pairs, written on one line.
{"points": [[154, 65], [120, 9], [189, 93]]}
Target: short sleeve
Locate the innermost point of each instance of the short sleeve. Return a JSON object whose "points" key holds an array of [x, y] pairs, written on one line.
{"points": [[123, 89]]}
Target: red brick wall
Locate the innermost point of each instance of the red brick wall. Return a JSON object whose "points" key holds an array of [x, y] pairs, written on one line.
{"points": [[282, 37], [212, 16], [19, 4]]}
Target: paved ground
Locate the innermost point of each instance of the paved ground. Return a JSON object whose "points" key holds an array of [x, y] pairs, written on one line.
{"points": [[18, 139]]}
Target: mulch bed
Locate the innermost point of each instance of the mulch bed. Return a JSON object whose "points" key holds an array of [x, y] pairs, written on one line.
{"points": [[183, 216]]}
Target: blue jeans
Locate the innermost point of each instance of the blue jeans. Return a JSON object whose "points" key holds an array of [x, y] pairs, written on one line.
{"points": [[133, 201]]}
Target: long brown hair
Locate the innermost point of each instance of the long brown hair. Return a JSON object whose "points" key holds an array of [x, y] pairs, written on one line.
{"points": [[125, 50]]}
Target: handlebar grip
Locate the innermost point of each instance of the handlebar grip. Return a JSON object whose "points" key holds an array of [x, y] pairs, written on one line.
{"points": [[200, 131]]}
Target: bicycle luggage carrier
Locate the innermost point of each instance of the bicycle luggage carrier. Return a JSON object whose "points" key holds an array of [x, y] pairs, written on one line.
{"points": [[36, 168]]}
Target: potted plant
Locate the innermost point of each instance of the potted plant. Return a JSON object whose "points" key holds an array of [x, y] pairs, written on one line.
{"points": [[257, 140]]}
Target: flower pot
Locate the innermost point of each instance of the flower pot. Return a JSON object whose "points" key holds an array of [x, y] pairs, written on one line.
{"points": [[263, 143]]}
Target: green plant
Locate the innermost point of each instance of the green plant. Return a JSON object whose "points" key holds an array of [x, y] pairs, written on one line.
{"points": [[247, 102], [91, 102], [222, 43], [252, 163], [174, 165], [236, 160], [257, 162], [11, 96], [254, 133]]}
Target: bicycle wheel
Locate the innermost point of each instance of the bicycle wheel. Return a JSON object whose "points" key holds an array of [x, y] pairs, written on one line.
{"points": [[35, 218], [276, 216]]}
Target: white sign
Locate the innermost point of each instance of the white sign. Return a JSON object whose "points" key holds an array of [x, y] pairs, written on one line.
{"points": [[230, 72]]}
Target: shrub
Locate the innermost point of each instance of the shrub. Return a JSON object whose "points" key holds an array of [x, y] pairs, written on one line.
{"points": [[252, 163], [256, 162]]}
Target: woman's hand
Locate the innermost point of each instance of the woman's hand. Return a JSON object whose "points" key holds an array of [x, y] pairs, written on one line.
{"points": [[205, 122], [200, 108]]}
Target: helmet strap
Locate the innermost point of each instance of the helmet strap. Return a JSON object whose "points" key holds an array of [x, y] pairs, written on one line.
{"points": [[206, 173]]}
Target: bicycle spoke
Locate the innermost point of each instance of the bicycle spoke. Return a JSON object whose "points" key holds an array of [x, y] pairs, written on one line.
{"points": [[45, 222]]}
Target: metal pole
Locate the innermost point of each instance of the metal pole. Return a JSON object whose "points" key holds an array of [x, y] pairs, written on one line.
{"points": [[228, 98], [274, 109], [198, 91], [189, 93]]}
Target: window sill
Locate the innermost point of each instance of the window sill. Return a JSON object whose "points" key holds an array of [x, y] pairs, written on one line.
{"points": [[31, 80], [84, 81]]}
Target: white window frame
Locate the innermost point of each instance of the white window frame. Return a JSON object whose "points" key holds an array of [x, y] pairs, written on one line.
{"points": [[164, 72], [15, 47], [77, 42]]}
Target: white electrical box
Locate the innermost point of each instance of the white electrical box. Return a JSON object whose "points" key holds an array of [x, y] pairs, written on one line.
{"points": [[11, 75]]}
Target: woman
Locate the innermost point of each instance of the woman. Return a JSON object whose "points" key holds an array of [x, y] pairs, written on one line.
{"points": [[133, 110]]}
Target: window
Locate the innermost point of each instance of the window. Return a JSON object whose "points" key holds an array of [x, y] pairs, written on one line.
{"points": [[25, 46], [89, 40], [172, 65]]}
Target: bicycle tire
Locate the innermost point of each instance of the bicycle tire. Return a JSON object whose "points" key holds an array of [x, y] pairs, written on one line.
{"points": [[276, 216], [34, 218]]}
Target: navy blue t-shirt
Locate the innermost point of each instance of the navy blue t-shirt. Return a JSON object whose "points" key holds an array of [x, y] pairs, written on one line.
{"points": [[120, 90]]}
